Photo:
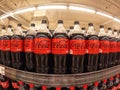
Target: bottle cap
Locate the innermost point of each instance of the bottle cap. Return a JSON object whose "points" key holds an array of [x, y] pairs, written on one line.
{"points": [[60, 21], [71, 27], [19, 24], [9, 26], [83, 28], [44, 87], [115, 30], [101, 26], [3, 27], [85, 86], [21, 83], [76, 22], [111, 78], [109, 28], [44, 21], [90, 24], [72, 87], [32, 24], [96, 84], [31, 85], [58, 88], [105, 80]]}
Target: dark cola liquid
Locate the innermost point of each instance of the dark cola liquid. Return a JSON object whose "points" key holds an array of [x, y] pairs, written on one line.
{"points": [[18, 60], [78, 50], [42, 52], [113, 54], [91, 60], [5, 53], [104, 55], [118, 51], [59, 51], [1, 50], [29, 54]]}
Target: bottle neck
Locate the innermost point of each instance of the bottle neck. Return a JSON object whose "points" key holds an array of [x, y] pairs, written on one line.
{"points": [[43, 28], [9, 30], [109, 33], [102, 30], [90, 30], [60, 29], [115, 34]]}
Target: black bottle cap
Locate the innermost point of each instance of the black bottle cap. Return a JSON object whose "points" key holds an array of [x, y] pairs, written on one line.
{"points": [[76, 22], [9, 26], [101, 26], [19, 24], [115, 30], [60, 21], [90, 24], [71, 27], [44, 21], [109, 28], [3, 28], [83, 28], [32, 24], [119, 31]]}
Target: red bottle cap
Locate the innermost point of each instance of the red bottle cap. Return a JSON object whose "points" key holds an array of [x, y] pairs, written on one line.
{"points": [[21, 83], [111, 78], [72, 87], [96, 84], [105, 80], [85, 86], [44, 87], [31, 85], [58, 88], [117, 75]]}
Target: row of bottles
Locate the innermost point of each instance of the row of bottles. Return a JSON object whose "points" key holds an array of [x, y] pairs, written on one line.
{"points": [[112, 83], [62, 52]]}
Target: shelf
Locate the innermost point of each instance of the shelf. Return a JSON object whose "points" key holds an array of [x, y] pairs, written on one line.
{"points": [[60, 80]]}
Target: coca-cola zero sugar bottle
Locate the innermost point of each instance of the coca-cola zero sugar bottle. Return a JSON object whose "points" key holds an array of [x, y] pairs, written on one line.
{"points": [[29, 47], [60, 46], [77, 49]]}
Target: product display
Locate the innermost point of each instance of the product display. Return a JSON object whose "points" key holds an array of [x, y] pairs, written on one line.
{"points": [[59, 45]]}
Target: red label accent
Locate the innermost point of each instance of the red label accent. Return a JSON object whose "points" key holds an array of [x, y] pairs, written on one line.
{"points": [[113, 46], [104, 46], [85, 86], [42, 45], [31, 85], [28, 45], [44, 87], [96, 84], [60, 46], [58, 88], [5, 84], [118, 46], [114, 88], [72, 87], [77, 47], [0, 44], [92, 46], [16, 45], [5, 45], [15, 85], [104, 81]]}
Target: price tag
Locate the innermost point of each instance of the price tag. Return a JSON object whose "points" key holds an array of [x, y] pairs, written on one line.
{"points": [[2, 70]]}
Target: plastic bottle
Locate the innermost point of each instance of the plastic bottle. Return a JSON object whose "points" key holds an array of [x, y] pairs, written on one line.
{"points": [[77, 49], [92, 45], [110, 83], [2, 32], [102, 85], [115, 37], [104, 49], [6, 46], [18, 60], [60, 47], [42, 48], [29, 47]]}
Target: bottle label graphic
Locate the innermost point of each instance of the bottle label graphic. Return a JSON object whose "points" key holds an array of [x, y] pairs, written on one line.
{"points": [[104, 46], [16, 45], [42, 46], [77, 47], [60, 46], [6, 45], [92, 46], [28, 45]]}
